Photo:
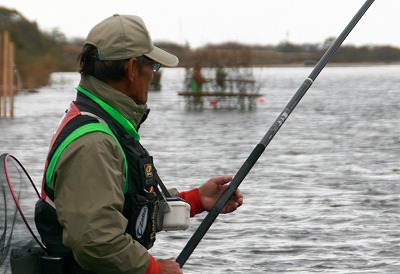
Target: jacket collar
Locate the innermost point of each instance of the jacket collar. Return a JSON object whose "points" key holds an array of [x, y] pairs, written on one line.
{"points": [[128, 108]]}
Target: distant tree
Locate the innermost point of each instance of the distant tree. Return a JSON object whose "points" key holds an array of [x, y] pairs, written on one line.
{"points": [[37, 54], [57, 36], [288, 47], [385, 54], [327, 43]]}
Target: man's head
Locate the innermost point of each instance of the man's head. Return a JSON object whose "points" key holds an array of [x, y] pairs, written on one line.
{"points": [[119, 50]]}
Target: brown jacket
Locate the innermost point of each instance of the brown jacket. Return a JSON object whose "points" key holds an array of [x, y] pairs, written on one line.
{"points": [[88, 182]]}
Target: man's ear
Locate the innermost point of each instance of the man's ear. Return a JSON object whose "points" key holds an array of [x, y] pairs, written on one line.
{"points": [[131, 67]]}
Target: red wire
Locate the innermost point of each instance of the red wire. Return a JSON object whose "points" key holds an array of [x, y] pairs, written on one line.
{"points": [[15, 198]]}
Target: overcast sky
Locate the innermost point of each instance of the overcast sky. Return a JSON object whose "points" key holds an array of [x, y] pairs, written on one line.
{"points": [[214, 21]]}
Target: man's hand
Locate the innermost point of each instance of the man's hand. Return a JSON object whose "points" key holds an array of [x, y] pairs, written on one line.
{"points": [[212, 190], [169, 266]]}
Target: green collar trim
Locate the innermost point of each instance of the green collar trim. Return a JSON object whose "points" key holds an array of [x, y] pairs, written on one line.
{"points": [[113, 112]]}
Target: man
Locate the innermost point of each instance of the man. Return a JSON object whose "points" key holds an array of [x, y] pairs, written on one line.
{"points": [[198, 80], [100, 195], [220, 76]]}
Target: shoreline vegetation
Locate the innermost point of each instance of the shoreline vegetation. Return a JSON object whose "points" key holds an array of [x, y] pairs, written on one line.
{"points": [[39, 53]]}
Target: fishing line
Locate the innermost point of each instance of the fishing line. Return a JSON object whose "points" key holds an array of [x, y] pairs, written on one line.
{"points": [[10, 215], [13, 178], [259, 149]]}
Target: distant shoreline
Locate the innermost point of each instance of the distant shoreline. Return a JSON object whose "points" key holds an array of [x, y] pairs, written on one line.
{"points": [[329, 64], [334, 64]]}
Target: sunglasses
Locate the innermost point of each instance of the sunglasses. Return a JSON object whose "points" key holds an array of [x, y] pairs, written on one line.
{"points": [[154, 65]]}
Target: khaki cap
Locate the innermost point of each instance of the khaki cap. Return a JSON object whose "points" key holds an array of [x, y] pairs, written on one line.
{"points": [[124, 36]]}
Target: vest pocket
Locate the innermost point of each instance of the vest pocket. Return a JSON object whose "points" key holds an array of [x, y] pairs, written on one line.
{"points": [[141, 212]]}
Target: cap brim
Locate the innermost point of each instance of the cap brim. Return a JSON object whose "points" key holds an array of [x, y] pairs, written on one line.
{"points": [[162, 57]]}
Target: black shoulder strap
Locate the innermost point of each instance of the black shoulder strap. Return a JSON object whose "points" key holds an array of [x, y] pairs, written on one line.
{"points": [[75, 123], [84, 103]]}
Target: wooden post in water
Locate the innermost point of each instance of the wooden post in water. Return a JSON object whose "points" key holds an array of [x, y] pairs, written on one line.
{"points": [[2, 73], [7, 83], [13, 86]]}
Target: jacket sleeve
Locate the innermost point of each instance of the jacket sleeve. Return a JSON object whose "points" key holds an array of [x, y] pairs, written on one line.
{"points": [[192, 197], [88, 183]]}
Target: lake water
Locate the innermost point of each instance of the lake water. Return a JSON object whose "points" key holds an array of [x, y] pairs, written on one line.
{"points": [[323, 197]]}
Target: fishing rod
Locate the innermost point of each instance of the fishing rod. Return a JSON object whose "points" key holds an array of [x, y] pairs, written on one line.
{"points": [[259, 149]]}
